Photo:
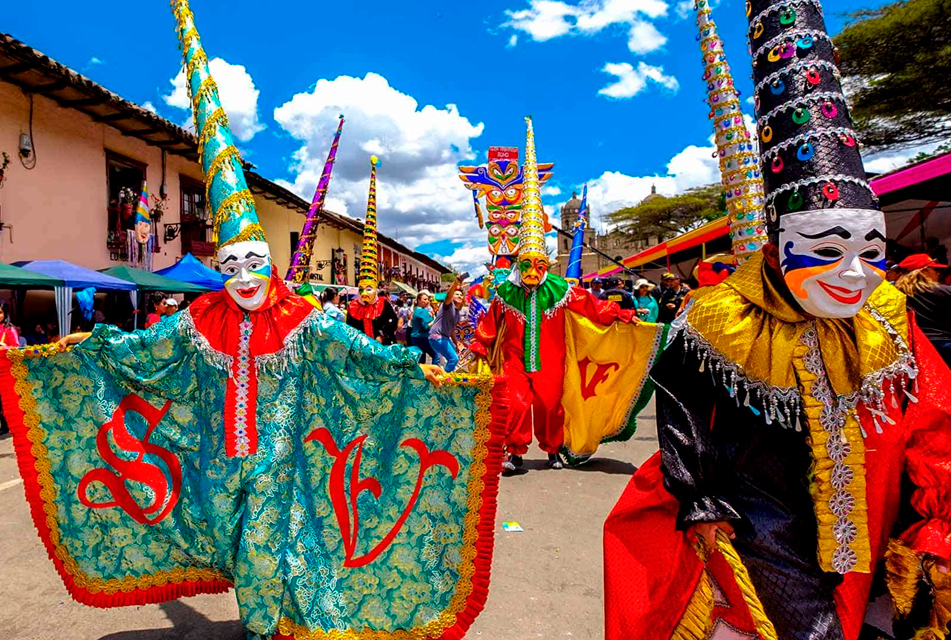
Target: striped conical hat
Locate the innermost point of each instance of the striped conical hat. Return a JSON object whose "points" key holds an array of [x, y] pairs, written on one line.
{"points": [[369, 256], [234, 216], [739, 162], [532, 231]]}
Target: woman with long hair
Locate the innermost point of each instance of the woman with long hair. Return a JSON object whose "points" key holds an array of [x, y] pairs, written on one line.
{"points": [[419, 327], [930, 300]]}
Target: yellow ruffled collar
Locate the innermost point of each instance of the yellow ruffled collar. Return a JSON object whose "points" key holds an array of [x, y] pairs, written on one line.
{"points": [[747, 329]]}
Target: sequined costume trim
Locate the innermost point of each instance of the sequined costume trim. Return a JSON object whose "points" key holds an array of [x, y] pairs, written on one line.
{"points": [[838, 474], [212, 356], [41, 494], [782, 404], [476, 556], [291, 352]]}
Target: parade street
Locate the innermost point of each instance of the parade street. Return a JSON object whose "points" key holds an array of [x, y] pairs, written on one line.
{"points": [[546, 581]]}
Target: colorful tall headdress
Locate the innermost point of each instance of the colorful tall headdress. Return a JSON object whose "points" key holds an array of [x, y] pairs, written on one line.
{"points": [[532, 232], [369, 256], [300, 261], [235, 218], [142, 213], [739, 163], [808, 149], [573, 272]]}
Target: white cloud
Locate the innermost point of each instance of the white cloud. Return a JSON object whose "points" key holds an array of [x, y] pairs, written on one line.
{"points": [[148, 106], [512, 41], [550, 190], [94, 61], [548, 19], [420, 197], [885, 162], [471, 257], [644, 38], [631, 81], [239, 97]]}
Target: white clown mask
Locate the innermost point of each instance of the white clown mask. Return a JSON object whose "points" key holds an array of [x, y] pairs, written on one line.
{"points": [[246, 267], [832, 260]]}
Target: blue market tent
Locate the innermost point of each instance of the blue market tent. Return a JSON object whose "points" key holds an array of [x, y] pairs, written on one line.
{"points": [[190, 269], [71, 277]]}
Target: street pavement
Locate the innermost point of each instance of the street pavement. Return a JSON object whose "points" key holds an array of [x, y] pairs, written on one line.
{"points": [[546, 581]]}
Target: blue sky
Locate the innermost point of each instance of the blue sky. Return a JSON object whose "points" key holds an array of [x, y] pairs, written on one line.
{"points": [[288, 68]]}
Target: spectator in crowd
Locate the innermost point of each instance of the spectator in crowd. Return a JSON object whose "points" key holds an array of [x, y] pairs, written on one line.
{"points": [[644, 303], [9, 336], [98, 315], [597, 288], [171, 306], [930, 300], [158, 310], [419, 327], [442, 333], [38, 335], [330, 301], [404, 318], [936, 251], [671, 297], [615, 293]]}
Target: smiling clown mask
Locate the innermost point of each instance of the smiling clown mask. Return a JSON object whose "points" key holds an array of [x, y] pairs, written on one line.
{"points": [[246, 267], [832, 260]]}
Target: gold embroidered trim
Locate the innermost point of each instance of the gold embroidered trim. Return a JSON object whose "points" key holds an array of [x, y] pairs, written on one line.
{"points": [[763, 626], [838, 472], [470, 535], [37, 435], [697, 621]]}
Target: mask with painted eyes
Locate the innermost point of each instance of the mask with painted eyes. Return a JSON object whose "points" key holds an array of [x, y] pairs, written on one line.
{"points": [[533, 271], [832, 260], [246, 268], [368, 294]]}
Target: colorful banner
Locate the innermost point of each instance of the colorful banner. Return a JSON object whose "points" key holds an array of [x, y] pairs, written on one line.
{"points": [[606, 382]]}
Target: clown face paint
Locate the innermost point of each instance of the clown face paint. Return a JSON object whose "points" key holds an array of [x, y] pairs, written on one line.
{"points": [[533, 271], [368, 294], [832, 260], [246, 267]]}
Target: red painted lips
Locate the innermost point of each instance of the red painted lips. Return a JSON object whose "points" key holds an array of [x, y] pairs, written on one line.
{"points": [[841, 294]]}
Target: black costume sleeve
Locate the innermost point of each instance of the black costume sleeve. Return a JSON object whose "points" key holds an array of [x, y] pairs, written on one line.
{"points": [[385, 327], [686, 400]]}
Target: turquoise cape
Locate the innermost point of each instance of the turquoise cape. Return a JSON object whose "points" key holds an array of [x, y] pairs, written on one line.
{"points": [[367, 508]]}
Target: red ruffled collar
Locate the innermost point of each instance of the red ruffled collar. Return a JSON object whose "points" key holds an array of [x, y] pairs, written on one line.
{"points": [[217, 317]]}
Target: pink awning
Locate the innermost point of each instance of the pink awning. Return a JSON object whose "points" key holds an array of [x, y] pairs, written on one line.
{"points": [[928, 170]]}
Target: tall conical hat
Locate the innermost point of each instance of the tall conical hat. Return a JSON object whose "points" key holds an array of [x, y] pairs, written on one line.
{"points": [[300, 261], [808, 149], [531, 234], [369, 256], [234, 216], [142, 213], [739, 163]]}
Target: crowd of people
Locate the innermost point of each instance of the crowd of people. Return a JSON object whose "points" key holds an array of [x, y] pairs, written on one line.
{"points": [[652, 303]]}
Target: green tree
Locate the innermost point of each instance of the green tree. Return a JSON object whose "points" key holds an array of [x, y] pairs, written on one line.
{"points": [[662, 217], [896, 63]]}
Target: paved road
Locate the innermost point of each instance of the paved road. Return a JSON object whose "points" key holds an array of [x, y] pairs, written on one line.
{"points": [[546, 582]]}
